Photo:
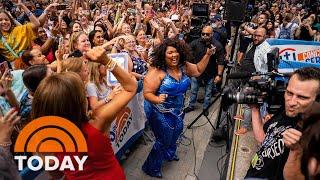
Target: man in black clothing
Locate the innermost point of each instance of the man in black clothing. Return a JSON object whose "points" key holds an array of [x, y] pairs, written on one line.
{"points": [[301, 93], [211, 74]]}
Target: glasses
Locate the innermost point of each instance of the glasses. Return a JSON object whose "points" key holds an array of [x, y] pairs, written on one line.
{"points": [[205, 34], [131, 19]]}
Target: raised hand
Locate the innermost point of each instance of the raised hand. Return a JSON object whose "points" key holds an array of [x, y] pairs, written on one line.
{"points": [[97, 54], [7, 123], [154, 24], [51, 7], [6, 80], [211, 50]]}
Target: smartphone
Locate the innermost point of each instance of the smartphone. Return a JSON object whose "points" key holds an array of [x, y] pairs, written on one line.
{"points": [[54, 18], [149, 37], [132, 11], [61, 7], [104, 12], [60, 42], [181, 36]]}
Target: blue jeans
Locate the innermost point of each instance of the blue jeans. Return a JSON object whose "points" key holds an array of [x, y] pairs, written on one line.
{"points": [[194, 92]]}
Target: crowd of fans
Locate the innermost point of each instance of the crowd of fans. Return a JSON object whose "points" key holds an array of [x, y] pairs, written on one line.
{"points": [[54, 61]]}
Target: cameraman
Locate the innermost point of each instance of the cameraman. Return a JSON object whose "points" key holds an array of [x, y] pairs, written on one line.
{"points": [[300, 95], [255, 60], [210, 76]]}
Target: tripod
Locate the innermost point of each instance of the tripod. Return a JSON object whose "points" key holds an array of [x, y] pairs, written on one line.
{"points": [[203, 113]]}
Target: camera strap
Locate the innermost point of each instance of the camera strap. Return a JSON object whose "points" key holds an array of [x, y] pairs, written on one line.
{"points": [[7, 46]]}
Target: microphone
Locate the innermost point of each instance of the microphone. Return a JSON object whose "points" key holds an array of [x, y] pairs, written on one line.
{"points": [[239, 75]]}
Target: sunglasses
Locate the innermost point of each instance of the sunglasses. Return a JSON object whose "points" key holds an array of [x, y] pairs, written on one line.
{"points": [[205, 34]]}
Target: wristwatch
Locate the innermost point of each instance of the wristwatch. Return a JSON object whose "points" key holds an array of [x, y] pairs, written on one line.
{"points": [[220, 75]]}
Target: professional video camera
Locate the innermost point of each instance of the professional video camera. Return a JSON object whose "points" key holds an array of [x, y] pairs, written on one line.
{"points": [[262, 88]]}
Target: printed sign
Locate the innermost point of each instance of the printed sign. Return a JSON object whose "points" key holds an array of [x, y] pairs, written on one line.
{"points": [[295, 54], [130, 121], [51, 134], [122, 60]]}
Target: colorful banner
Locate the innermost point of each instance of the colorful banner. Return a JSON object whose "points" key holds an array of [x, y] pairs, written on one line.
{"points": [[128, 125], [296, 54]]}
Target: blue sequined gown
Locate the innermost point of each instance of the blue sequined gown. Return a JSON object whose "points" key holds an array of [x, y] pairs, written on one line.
{"points": [[166, 121]]}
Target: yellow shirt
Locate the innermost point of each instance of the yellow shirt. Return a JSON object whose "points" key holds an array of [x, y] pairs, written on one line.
{"points": [[19, 39]]}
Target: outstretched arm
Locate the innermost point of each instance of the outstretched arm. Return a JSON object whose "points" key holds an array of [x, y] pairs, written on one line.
{"points": [[104, 115], [197, 69]]}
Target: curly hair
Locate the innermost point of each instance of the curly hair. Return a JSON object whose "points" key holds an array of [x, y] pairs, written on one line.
{"points": [[159, 53]]}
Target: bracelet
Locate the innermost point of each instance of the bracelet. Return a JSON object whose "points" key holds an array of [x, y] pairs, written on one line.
{"points": [[111, 65], [107, 100], [6, 144], [29, 13]]}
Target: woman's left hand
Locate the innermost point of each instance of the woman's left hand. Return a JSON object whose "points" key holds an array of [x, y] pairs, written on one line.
{"points": [[116, 90], [7, 123], [6, 80], [51, 7]]}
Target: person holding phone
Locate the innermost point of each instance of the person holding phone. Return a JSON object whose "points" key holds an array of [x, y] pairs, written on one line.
{"points": [[7, 99], [14, 39], [211, 76], [164, 90]]}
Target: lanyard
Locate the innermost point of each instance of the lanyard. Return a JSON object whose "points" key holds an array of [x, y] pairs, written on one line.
{"points": [[6, 45]]}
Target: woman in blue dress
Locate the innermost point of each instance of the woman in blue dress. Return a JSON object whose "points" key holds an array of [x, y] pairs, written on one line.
{"points": [[165, 86]]}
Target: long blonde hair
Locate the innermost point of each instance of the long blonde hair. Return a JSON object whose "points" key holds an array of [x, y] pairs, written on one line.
{"points": [[73, 64], [74, 40], [94, 75]]}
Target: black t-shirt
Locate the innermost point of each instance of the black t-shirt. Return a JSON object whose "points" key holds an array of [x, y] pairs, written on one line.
{"points": [[247, 64], [269, 160], [199, 49]]}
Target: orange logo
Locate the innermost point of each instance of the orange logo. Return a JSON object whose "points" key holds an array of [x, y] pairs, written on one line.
{"points": [[122, 124], [51, 134]]}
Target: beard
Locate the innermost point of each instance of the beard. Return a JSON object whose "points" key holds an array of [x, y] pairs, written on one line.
{"points": [[206, 41]]}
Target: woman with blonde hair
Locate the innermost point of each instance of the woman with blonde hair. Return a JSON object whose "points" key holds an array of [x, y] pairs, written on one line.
{"points": [[77, 65], [79, 43], [64, 95], [98, 91]]}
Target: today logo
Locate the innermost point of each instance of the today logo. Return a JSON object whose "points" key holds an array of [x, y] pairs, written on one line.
{"points": [[47, 135], [122, 124]]}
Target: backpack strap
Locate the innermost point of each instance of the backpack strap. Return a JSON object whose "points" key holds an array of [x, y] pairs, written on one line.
{"points": [[290, 26]]}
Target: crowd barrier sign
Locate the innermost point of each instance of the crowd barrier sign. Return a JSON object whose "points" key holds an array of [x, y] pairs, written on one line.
{"points": [[128, 125], [295, 54]]}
